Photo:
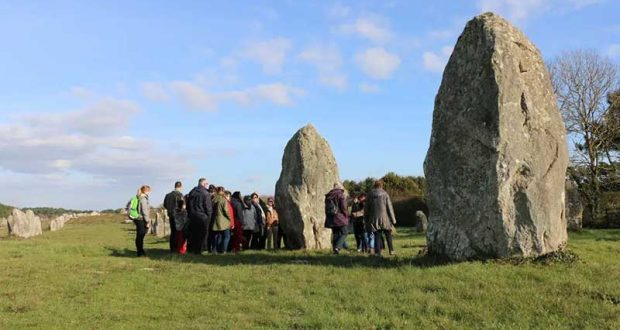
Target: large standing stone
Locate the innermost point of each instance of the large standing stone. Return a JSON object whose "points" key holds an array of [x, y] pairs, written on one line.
{"points": [[497, 160], [309, 171], [3, 222], [24, 225], [421, 222], [574, 206]]}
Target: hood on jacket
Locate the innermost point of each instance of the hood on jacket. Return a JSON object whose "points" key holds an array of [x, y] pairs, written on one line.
{"points": [[334, 193]]}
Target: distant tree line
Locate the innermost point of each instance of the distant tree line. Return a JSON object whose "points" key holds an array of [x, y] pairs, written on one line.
{"points": [[44, 212], [5, 210], [394, 184]]}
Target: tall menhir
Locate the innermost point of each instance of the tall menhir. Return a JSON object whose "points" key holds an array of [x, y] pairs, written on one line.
{"points": [[497, 159]]}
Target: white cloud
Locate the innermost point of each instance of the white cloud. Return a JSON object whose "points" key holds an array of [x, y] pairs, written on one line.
{"points": [[91, 142], [521, 10], [105, 117], [367, 28], [369, 88], [328, 61], [199, 98], [377, 63], [270, 54], [614, 50], [194, 96], [436, 62], [154, 92]]}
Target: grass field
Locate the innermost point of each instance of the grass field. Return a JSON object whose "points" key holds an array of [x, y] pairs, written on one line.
{"points": [[86, 276]]}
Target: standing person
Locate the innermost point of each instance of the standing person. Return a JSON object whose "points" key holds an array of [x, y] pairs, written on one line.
{"points": [[171, 202], [199, 211], [209, 243], [357, 215], [380, 217], [336, 216], [260, 221], [238, 217], [143, 222], [222, 220], [180, 221], [272, 225], [250, 225]]}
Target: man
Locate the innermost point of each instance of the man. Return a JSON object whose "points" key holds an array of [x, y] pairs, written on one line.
{"points": [[336, 216], [380, 218], [357, 214], [200, 210], [170, 204]]}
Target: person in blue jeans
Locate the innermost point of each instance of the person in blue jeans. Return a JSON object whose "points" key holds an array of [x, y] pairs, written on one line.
{"points": [[336, 216], [380, 218], [222, 221]]}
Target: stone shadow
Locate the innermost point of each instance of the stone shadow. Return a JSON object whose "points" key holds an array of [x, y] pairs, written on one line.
{"points": [[285, 257]]}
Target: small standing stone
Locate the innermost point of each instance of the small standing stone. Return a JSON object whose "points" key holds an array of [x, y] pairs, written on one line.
{"points": [[421, 222]]}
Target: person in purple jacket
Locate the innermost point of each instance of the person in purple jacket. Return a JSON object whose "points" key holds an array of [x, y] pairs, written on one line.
{"points": [[336, 216]]}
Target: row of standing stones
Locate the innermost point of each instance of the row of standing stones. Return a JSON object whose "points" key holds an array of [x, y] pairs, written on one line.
{"points": [[27, 224], [495, 168]]}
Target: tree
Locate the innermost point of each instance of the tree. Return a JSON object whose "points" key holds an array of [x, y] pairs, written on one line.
{"points": [[582, 81]]}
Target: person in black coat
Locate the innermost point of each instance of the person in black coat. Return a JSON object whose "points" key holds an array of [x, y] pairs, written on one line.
{"points": [[170, 204], [200, 210]]}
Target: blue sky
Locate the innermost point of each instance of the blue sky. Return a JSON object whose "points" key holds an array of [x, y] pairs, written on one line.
{"points": [[99, 97]]}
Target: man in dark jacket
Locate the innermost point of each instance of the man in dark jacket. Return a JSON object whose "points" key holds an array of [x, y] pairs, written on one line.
{"points": [[170, 204], [336, 216], [380, 218], [200, 210]]}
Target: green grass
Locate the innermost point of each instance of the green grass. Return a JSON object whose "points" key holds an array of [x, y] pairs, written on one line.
{"points": [[86, 276]]}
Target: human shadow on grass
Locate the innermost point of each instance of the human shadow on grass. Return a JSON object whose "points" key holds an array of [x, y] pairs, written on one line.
{"points": [[347, 260]]}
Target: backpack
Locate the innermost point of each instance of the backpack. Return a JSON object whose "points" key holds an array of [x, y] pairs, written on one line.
{"points": [[331, 206], [133, 206]]}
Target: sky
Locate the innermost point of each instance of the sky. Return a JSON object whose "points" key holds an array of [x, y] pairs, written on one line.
{"points": [[100, 97]]}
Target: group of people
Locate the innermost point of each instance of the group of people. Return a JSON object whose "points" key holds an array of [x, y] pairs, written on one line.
{"points": [[212, 219], [372, 216]]}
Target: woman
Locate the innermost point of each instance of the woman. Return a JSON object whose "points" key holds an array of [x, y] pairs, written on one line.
{"points": [[180, 221], [222, 221], [272, 225], [143, 222], [237, 204]]}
